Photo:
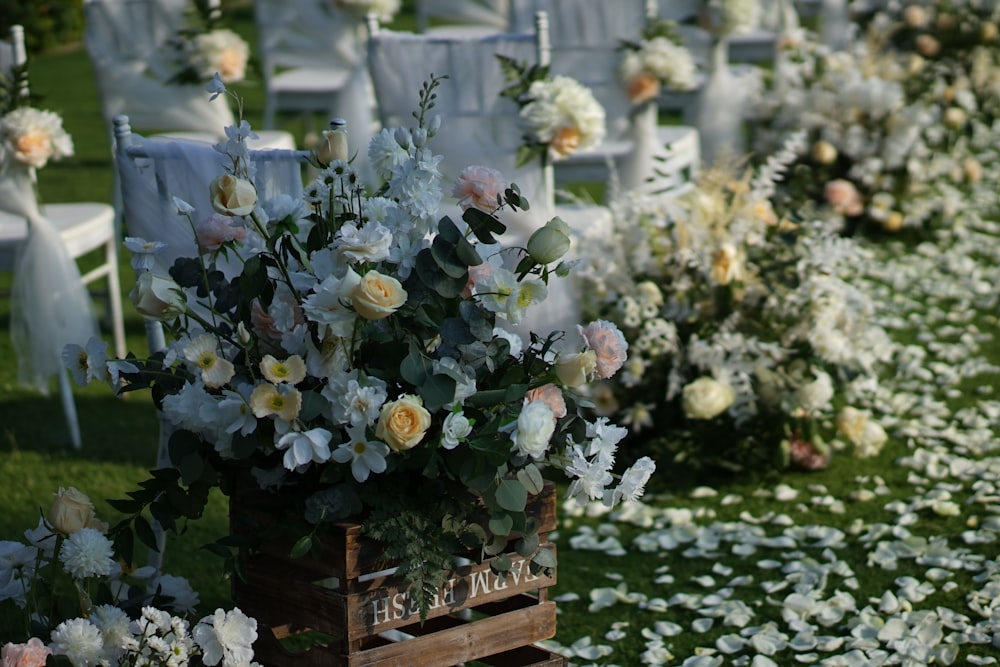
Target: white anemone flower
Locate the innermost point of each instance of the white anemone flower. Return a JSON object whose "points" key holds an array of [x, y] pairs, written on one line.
{"points": [[304, 447], [365, 456], [203, 353]]}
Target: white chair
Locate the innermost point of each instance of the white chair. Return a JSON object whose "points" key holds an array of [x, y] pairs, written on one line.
{"points": [[480, 128], [585, 38], [51, 306], [128, 42], [461, 17], [151, 173]]}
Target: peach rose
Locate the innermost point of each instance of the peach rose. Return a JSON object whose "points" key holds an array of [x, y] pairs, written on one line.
{"points": [[33, 148], [402, 423], [232, 196], [32, 654], [643, 87], [377, 296], [214, 231], [550, 395], [609, 346], [479, 187], [844, 197], [232, 65]]}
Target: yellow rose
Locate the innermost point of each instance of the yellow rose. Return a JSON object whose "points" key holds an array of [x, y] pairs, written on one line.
{"points": [[232, 196], [377, 296], [157, 297], [403, 422], [577, 369], [71, 510]]}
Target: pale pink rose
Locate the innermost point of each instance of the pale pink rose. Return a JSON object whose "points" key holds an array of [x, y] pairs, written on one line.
{"points": [[608, 343], [267, 325], [32, 654], [478, 187], [807, 455], [643, 87], [844, 197], [214, 231], [550, 395]]}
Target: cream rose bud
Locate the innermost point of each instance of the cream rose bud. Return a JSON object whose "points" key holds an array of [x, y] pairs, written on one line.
{"points": [[824, 152], [377, 296], [333, 144], [706, 398], [577, 369], [157, 297], [71, 510], [232, 196], [955, 117], [551, 242], [402, 423], [535, 426]]}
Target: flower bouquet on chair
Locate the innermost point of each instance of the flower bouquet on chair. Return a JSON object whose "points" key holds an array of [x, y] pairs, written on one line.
{"points": [[354, 364]]}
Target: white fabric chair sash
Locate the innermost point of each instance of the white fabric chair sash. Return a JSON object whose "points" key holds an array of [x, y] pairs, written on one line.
{"points": [[158, 171], [50, 305]]}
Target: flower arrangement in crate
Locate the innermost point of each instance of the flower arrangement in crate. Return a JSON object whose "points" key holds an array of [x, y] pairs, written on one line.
{"points": [[744, 330], [204, 48], [357, 366], [560, 115], [877, 154], [659, 60], [82, 606]]}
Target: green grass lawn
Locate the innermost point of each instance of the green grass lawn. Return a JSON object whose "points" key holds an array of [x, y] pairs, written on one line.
{"points": [[120, 446]]}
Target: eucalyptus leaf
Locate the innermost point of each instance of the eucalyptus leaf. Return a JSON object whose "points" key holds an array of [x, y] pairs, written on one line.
{"points": [[496, 545], [527, 545], [302, 546], [437, 390], [544, 557], [511, 495], [446, 256], [531, 477], [483, 225], [501, 524], [501, 564]]}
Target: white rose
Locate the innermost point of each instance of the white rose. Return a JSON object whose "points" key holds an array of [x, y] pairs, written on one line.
{"points": [[706, 398], [71, 510], [815, 396], [456, 427], [535, 426], [157, 297], [577, 369], [232, 196]]}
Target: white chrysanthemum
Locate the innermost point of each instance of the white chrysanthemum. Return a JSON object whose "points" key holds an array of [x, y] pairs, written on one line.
{"points": [[589, 477], [368, 243], [564, 114], [670, 63], [633, 482], [386, 153], [227, 637], [353, 402], [87, 553], [114, 625], [79, 640], [221, 51], [32, 137]]}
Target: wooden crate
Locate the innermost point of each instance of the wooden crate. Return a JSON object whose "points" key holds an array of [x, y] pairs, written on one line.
{"points": [[347, 593]]}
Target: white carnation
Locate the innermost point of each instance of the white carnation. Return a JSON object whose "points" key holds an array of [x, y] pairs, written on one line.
{"points": [[87, 553], [79, 640], [535, 426], [565, 115]]}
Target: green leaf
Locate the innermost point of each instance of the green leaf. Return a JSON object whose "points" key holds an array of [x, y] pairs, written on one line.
{"points": [[511, 495], [483, 225], [243, 446], [531, 477], [191, 467], [544, 558], [124, 545], [126, 506], [446, 256], [501, 564], [437, 390], [416, 367], [144, 531], [501, 524], [467, 252], [302, 546], [527, 545], [496, 545]]}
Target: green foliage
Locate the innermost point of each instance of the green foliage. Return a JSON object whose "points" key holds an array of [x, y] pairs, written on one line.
{"points": [[47, 23]]}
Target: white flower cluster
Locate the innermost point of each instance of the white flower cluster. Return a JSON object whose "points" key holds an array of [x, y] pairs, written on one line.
{"points": [[221, 51], [564, 114], [727, 17], [657, 62], [155, 639], [31, 137]]}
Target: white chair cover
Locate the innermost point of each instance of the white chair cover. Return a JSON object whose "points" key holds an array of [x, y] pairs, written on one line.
{"points": [[50, 305], [329, 43], [463, 14], [127, 43], [153, 172], [585, 36]]}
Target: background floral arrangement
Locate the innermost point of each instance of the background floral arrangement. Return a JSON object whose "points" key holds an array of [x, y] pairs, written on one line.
{"points": [[892, 140], [385, 10], [29, 137], [204, 48], [722, 18], [352, 363], [83, 606], [658, 60], [744, 332], [560, 115]]}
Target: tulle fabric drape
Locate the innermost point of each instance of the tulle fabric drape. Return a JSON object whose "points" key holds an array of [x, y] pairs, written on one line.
{"points": [[50, 305]]}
